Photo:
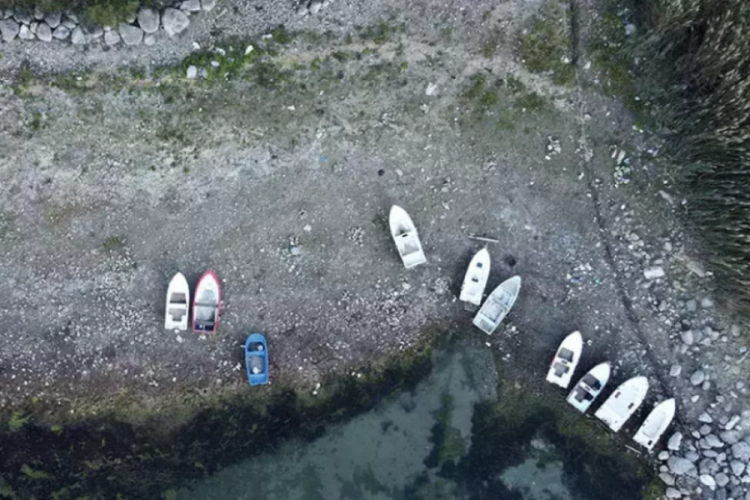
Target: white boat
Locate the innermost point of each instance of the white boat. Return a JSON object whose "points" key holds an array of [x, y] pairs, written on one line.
{"points": [[655, 424], [621, 405], [475, 281], [497, 305], [589, 387], [405, 235], [207, 304], [178, 302], [565, 361]]}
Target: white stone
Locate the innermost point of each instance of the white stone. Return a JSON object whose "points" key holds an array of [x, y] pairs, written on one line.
{"points": [[737, 467], [653, 273], [191, 5], [673, 493], [708, 481], [9, 30], [131, 35], [44, 33], [22, 17], [315, 6], [705, 418], [697, 377], [33, 27], [687, 337], [111, 37], [53, 19], [149, 40], [174, 21], [77, 36], [61, 32], [732, 422], [663, 455], [667, 478], [675, 441], [192, 73], [675, 370], [721, 479], [208, 5], [148, 20], [25, 33], [741, 451]]}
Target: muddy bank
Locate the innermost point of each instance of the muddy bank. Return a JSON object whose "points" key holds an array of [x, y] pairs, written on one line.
{"points": [[467, 455]]}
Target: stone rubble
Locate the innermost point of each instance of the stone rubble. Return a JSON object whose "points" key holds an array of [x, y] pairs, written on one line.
{"points": [[138, 28]]}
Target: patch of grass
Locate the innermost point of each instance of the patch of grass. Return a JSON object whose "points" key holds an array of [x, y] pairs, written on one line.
{"points": [[547, 47], [32, 473], [529, 101], [17, 420], [110, 12], [114, 243], [382, 32]]}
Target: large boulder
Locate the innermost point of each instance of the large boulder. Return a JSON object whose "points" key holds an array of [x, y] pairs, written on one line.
{"points": [[174, 21], [131, 35], [680, 466], [9, 30], [741, 451], [148, 20]]}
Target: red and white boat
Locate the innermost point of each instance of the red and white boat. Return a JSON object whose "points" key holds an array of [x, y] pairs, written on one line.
{"points": [[207, 303]]}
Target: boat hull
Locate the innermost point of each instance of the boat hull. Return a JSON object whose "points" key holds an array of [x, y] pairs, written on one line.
{"points": [[655, 424], [621, 405], [256, 359], [207, 304], [404, 234], [566, 360], [178, 304], [498, 305], [475, 280]]}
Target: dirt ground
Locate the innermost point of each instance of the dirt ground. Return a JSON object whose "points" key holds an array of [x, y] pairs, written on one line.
{"points": [[106, 192]]}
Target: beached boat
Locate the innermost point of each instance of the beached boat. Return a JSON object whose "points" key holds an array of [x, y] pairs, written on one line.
{"points": [[621, 405], [475, 280], [589, 387], [565, 361], [256, 359], [207, 303], [405, 235], [655, 424], [497, 305], [178, 303]]}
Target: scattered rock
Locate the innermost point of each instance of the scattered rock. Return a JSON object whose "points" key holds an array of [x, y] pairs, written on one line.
{"points": [[673, 493], [148, 20], [653, 273], [131, 35], [737, 467], [208, 5], [77, 36], [9, 30], [315, 6], [191, 5], [721, 479], [192, 73], [708, 481], [732, 422], [38, 14], [675, 370], [667, 478], [705, 418], [111, 38], [680, 466], [741, 451], [730, 437], [663, 455], [687, 337], [44, 33], [69, 23], [174, 21], [33, 27], [713, 441], [697, 377], [707, 303], [630, 29], [708, 466], [675, 441], [61, 32], [149, 40], [692, 305], [94, 31], [53, 19]]}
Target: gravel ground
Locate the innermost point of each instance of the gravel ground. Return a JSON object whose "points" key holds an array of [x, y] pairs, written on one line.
{"points": [[105, 194]]}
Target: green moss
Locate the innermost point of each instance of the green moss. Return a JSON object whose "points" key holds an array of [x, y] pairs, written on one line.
{"points": [[382, 32], [32, 473], [654, 491], [547, 47], [114, 243], [111, 12], [17, 420], [529, 101]]}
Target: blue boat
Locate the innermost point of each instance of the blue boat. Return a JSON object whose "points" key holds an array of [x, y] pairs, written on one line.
{"points": [[256, 359]]}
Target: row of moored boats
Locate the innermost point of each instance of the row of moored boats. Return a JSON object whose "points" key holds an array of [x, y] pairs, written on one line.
{"points": [[615, 411]]}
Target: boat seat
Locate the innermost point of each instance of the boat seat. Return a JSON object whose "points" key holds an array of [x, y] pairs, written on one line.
{"points": [[561, 369], [566, 354], [178, 298], [177, 314]]}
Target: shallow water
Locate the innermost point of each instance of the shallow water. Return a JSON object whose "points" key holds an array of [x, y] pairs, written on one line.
{"points": [[415, 445]]}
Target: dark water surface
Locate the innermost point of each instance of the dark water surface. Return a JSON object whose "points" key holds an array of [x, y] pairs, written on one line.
{"points": [[448, 438]]}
